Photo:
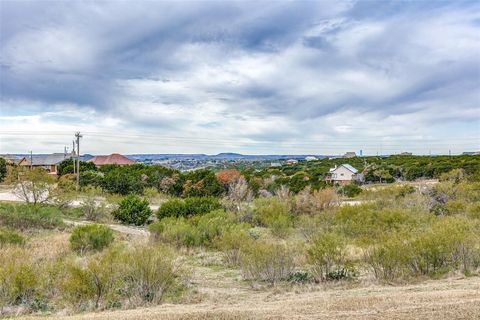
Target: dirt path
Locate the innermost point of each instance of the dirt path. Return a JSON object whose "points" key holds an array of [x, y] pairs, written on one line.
{"points": [[130, 230], [435, 300]]}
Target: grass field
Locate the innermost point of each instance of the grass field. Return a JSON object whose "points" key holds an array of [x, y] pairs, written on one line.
{"points": [[433, 299]]}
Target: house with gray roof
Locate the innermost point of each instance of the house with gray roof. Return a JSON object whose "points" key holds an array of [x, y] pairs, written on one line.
{"points": [[343, 174], [49, 162]]}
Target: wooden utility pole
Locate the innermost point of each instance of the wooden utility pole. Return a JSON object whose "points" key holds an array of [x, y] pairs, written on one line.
{"points": [[73, 157], [78, 136], [31, 160]]}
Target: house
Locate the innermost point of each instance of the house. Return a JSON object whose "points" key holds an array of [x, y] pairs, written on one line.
{"points": [[406, 154], [343, 174], [310, 158], [11, 159], [350, 154], [275, 164], [292, 161], [114, 158], [49, 162]]}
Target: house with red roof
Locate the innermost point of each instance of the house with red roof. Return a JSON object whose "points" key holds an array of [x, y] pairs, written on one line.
{"points": [[114, 158]]}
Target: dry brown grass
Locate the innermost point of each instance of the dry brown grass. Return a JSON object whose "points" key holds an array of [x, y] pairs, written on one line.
{"points": [[436, 299]]}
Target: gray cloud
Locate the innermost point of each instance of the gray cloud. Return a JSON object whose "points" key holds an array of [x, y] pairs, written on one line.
{"points": [[269, 72]]}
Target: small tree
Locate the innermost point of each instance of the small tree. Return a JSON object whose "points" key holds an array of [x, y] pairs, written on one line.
{"points": [[326, 252], [91, 237], [133, 210], [3, 169], [35, 187]]}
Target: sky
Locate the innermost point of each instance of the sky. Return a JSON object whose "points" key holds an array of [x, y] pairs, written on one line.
{"points": [[280, 77]]}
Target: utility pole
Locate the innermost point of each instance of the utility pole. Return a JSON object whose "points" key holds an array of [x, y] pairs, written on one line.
{"points": [[78, 136], [31, 160], [73, 157]]}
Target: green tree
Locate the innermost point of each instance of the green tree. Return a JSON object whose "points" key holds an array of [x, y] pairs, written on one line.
{"points": [[133, 210], [3, 169]]}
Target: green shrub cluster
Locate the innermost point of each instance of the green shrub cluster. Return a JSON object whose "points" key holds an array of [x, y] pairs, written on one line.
{"points": [[90, 237], [23, 217], [133, 210], [188, 207], [326, 255], [266, 261], [200, 230], [274, 214], [10, 237], [116, 277], [448, 244]]}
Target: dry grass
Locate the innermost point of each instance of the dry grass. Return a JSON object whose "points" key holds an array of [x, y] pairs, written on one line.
{"points": [[438, 299]]}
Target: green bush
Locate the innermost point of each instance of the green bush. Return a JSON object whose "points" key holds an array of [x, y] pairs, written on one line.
{"points": [[94, 282], [350, 190], [264, 261], [23, 217], [326, 254], [151, 272], [188, 207], [10, 237], [212, 225], [231, 242], [91, 237], [450, 243], [274, 214], [389, 258], [176, 231], [19, 278], [172, 208], [133, 210]]}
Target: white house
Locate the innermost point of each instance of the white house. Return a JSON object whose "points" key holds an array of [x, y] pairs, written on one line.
{"points": [[311, 158], [342, 174]]}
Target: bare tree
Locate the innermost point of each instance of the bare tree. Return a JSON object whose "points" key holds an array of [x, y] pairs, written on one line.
{"points": [[239, 192], [35, 187]]}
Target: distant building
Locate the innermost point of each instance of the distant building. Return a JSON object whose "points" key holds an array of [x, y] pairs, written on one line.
{"points": [[311, 158], [351, 154], [406, 154], [12, 159], [49, 162], [114, 158], [275, 164], [343, 174], [471, 153], [292, 161]]}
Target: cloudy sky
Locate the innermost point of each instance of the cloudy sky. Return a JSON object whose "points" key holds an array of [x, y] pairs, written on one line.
{"points": [[293, 77]]}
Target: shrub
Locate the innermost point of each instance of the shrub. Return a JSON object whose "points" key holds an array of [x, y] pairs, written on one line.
{"points": [[213, 224], [388, 259], [473, 211], [10, 237], [273, 213], [95, 281], [188, 207], [91, 237], [200, 205], [326, 254], [231, 242], [133, 210], [151, 272], [172, 208], [176, 231], [19, 280], [3, 169], [449, 243], [350, 190], [310, 203], [23, 217], [271, 262]]}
